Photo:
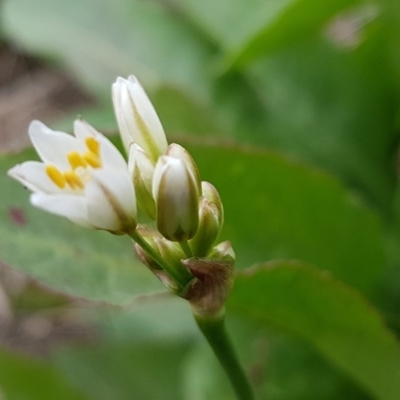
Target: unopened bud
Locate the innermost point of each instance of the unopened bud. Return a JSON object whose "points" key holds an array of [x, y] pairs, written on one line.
{"points": [[141, 168], [211, 193], [177, 151], [208, 230], [177, 199], [137, 120]]}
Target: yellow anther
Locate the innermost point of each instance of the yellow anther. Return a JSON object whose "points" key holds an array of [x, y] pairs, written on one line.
{"points": [[56, 176], [76, 160], [73, 180], [92, 159], [93, 145]]}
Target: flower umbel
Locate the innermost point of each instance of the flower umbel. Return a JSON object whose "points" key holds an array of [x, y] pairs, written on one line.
{"points": [[83, 178]]}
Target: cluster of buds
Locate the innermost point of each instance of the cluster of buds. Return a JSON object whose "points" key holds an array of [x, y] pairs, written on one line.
{"points": [[188, 213], [85, 179]]}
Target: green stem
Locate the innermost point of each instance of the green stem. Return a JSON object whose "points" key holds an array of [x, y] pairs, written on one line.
{"points": [[186, 249], [213, 328], [181, 280]]}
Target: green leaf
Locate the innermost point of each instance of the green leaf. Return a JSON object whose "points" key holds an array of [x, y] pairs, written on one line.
{"points": [[100, 40], [333, 109], [78, 261], [275, 208], [216, 19], [124, 371], [23, 378], [301, 19], [334, 318]]}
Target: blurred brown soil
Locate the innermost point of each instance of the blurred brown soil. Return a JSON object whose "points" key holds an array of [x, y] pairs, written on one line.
{"points": [[33, 318], [30, 90]]}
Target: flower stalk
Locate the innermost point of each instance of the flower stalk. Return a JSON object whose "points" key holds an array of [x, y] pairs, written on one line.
{"points": [[213, 329]]}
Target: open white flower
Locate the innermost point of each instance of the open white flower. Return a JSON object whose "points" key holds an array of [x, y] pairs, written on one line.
{"points": [[137, 119], [83, 178]]}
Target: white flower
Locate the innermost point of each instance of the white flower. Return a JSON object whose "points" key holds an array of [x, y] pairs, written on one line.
{"points": [[175, 191], [137, 120], [83, 178]]}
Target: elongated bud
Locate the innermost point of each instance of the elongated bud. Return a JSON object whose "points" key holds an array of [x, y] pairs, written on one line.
{"points": [[137, 120], [211, 193], [141, 168], [177, 151], [176, 194], [208, 231]]}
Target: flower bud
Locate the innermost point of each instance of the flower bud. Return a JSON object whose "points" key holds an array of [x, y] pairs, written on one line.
{"points": [[176, 194], [177, 151], [137, 120], [208, 230], [211, 193], [141, 168]]}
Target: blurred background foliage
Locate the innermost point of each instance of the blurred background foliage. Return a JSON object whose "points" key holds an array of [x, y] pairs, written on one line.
{"points": [[291, 108]]}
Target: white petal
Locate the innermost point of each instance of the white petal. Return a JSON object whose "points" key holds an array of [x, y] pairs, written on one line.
{"points": [[82, 130], [111, 200], [32, 174], [52, 146], [70, 206], [110, 155]]}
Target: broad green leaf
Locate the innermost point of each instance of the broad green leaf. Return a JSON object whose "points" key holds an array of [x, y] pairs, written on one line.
{"points": [[99, 40], [333, 109], [332, 317], [23, 378], [300, 19], [216, 19], [126, 371], [78, 261], [275, 208]]}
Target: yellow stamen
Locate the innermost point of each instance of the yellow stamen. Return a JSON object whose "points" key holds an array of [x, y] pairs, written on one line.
{"points": [[92, 159], [93, 145], [76, 160], [73, 180], [56, 176]]}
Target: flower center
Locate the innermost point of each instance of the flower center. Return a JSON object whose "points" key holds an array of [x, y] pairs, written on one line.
{"points": [[77, 176]]}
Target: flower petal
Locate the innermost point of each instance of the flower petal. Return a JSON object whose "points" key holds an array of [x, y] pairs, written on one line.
{"points": [[111, 200], [66, 205], [52, 146], [32, 174], [82, 130], [109, 154]]}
